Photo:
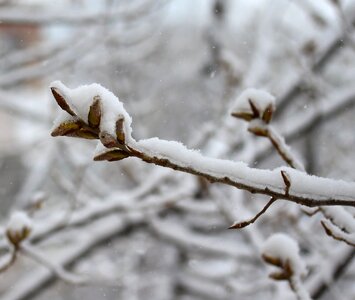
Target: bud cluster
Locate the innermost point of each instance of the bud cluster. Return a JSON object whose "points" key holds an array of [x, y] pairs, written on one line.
{"points": [[256, 107], [101, 119]]}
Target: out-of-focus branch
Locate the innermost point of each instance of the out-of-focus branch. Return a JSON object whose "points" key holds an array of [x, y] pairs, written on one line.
{"points": [[338, 234], [304, 122], [31, 16], [58, 270], [333, 47], [186, 239], [8, 260], [288, 260], [338, 265], [278, 143], [100, 232], [346, 25]]}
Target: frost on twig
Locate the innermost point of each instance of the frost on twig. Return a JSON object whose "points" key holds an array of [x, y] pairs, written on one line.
{"points": [[282, 251]]}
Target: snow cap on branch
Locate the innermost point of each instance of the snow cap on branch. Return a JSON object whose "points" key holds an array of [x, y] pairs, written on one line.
{"points": [[254, 104]]}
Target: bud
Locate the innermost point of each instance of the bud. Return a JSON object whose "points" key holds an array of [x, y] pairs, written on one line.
{"points": [[94, 116], [61, 101], [120, 131], [254, 104], [18, 228], [67, 128], [111, 155]]}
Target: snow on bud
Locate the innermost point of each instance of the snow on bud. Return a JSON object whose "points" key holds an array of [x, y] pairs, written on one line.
{"points": [[93, 112], [96, 109], [18, 228], [254, 104], [282, 251]]}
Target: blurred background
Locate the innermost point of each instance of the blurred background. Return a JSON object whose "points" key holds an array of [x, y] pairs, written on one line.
{"points": [[143, 232]]}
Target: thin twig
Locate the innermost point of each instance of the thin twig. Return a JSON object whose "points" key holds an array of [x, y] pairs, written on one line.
{"points": [[243, 224], [298, 287], [279, 144], [335, 232], [8, 262]]}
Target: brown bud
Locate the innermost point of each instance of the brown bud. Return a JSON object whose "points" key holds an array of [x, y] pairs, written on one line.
{"points": [[275, 261], [85, 133], [94, 116], [61, 101], [67, 128], [287, 180], [259, 131], [280, 275], [254, 109], [247, 116], [112, 155], [108, 140], [16, 237], [267, 114], [120, 131]]}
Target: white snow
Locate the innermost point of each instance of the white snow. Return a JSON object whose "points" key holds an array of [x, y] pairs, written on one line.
{"points": [[18, 221], [260, 98], [81, 98], [302, 184], [283, 247]]}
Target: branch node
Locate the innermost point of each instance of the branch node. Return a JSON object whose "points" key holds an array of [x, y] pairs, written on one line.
{"points": [[287, 180]]}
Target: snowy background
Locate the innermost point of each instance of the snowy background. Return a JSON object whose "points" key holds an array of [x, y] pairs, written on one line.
{"points": [[138, 231]]}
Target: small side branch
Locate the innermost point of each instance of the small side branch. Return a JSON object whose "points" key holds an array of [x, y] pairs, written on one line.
{"points": [[279, 144], [8, 260], [298, 288], [336, 233], [243, 224]]}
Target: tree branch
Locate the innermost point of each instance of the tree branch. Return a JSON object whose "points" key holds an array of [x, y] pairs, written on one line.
{"points": [[304, 189]]}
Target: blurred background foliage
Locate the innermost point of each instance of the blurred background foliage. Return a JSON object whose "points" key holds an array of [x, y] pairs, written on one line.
{"points": [[177, 65]]}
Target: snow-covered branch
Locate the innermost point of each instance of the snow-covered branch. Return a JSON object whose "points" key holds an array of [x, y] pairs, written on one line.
{"points": [[93, 112]]}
